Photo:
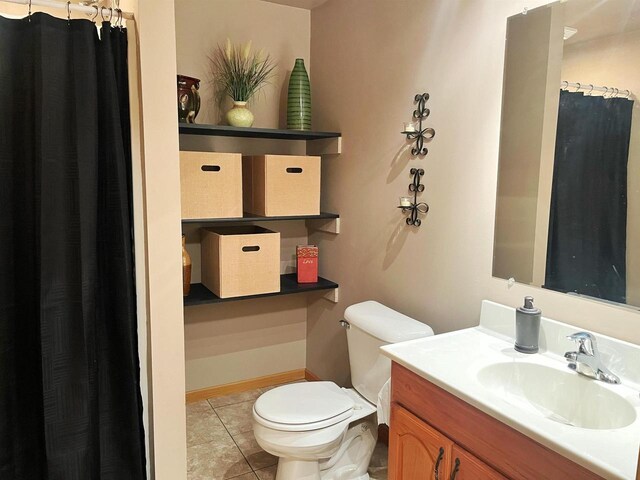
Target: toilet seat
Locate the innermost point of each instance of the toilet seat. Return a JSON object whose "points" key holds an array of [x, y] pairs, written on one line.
{"points": [[303, 407]]}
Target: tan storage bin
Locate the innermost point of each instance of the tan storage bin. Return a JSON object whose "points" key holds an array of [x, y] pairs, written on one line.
{"points": [[238, 261], [281, 185], [211, 185]]}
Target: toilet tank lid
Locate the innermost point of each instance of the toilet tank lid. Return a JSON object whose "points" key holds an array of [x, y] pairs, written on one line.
{"points": [[385, 323]]}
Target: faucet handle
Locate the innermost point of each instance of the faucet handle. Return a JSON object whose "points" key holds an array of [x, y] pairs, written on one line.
{"points": [[586, 342]]}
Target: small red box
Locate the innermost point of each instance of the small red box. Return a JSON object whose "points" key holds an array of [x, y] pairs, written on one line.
{"points": [[307, 263]]}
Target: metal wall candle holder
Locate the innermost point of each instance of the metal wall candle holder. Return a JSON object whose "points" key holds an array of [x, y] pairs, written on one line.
{"points": [[421, 135], [416, 207]]}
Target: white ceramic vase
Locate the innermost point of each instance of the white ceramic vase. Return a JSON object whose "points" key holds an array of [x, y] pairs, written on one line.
{"points": [[240, 115]]}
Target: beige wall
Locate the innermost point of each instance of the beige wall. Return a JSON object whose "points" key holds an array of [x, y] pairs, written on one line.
{"points": [[226, 343], [368, 60], [606, 61], [548, 144], [242, 340], [159, 139], [527, 138]]}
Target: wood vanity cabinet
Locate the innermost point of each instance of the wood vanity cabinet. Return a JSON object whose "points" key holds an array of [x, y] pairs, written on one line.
{"points": [[468, 467], [418, 451], [427, 420]]}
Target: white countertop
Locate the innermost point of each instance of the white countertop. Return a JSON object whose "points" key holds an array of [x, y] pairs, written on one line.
{"points": [[452, 361]]}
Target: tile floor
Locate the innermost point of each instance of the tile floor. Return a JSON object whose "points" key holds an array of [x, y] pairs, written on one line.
{"points": [[220, 442]]}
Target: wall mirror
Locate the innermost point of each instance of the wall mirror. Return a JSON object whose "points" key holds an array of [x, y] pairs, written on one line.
{"points": [[568, 200]]}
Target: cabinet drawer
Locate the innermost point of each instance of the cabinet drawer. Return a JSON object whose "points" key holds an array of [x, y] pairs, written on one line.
{"points": [[468, 467]]}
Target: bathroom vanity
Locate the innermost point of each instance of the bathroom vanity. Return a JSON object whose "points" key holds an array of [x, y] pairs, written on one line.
{"points": [[466, 405], [416, 439]]}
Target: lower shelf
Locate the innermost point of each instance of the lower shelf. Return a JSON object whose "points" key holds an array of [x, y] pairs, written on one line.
{"points": [[288, 284]]}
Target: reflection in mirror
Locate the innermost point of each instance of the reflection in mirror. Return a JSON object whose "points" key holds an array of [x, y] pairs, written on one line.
{"points": [[568, 200]]}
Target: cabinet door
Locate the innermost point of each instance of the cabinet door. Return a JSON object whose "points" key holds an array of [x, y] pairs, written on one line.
{"points": [[416, 451], [467, 467]]}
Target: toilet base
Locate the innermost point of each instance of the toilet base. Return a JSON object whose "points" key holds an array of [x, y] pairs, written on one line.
{"points": [[289, 468], [350, 462]]}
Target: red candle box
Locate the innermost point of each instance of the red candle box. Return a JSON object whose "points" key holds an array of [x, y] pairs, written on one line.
{"points": [[307, 263]]}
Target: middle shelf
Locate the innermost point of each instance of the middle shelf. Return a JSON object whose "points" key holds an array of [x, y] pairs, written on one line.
{"points": [[200, 294], [249, 217]]}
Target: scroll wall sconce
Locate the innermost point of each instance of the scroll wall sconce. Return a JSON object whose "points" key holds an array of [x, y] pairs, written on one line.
{"points": [[415, 131]]}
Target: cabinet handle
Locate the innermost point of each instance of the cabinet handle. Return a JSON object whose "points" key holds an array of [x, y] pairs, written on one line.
{"points": [[455, 470], [435, 470]]}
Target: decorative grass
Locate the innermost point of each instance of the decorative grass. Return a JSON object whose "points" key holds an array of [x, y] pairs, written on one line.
{"points": [[238, 72]]}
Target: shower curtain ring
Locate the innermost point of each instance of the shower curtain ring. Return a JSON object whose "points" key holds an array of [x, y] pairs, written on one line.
{"points": [[69, 12], [589, 92], [29, 11], [111, 14], [578, 87], [93, 19]]}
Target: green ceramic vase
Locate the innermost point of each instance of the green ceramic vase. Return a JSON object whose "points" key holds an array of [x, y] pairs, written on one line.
{"points": [[299, 99], [240, 115]]}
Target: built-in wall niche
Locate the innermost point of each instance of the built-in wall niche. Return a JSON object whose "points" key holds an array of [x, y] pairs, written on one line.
{"points": [[568, 200]]}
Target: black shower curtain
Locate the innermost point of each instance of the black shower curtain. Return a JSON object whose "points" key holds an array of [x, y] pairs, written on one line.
{"points": [[586, 250], [70, 405]]}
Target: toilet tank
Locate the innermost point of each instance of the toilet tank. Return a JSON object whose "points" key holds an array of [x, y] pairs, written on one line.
{"points": [[373, 325]]}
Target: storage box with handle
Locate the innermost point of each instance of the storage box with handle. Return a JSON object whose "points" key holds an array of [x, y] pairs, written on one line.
{"points": [[281, 185], [211, 185], [240, 260]]}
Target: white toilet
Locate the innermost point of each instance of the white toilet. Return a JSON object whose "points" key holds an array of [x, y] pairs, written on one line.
{"points": [[322, 431]]}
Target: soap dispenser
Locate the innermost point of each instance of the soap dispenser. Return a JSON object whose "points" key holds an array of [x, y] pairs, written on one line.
{"points": [[527, 327]]}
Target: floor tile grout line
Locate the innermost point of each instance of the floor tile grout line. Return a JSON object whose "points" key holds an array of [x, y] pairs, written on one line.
{"points": [[233, 403], [221, 423], [254, 470], [235, 443]]}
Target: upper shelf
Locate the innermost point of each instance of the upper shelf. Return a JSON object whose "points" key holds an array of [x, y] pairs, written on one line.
{"points": [[226, 131], [248, 217]]}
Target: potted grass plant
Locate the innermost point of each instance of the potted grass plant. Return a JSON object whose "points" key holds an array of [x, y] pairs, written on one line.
{"points": [[239, 73]]}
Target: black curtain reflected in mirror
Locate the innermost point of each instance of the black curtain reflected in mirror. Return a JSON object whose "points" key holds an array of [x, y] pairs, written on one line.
{"points": [[586, 249], [70, 404]]}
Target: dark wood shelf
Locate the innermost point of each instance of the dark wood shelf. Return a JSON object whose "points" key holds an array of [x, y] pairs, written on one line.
{"points": [[226, 131], [249, 217], [288, 285]]}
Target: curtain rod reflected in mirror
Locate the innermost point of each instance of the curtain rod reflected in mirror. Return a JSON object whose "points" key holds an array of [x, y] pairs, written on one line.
{"points": [[590, 88]]}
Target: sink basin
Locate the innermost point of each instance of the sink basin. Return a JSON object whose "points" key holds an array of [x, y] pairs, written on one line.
{"points": [[564, 397]]}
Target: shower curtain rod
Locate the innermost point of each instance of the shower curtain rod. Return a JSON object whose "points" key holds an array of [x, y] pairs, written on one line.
{"points": [[74, 7], [595, 88]]}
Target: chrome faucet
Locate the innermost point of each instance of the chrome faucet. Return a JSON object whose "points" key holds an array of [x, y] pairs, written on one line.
{"points": [[587, 359]]}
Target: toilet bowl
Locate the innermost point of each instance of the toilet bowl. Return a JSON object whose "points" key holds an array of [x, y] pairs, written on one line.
{"points": [[303, 423], [320, 431]]}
